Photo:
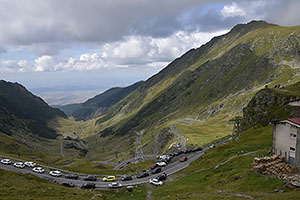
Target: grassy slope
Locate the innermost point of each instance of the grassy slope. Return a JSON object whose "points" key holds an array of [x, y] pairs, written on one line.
{"points": [[25, 186], [15, 186]]}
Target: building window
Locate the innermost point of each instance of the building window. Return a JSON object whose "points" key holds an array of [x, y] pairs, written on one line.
{"points": [[293, 135], [292, 149], [294, 127]]}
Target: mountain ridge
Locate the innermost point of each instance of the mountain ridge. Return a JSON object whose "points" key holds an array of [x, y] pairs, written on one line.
{"points": [[98, 104], [21, 110], [213, 81]]}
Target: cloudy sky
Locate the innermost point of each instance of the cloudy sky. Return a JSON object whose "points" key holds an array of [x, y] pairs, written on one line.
{"points": [[82, 47]]}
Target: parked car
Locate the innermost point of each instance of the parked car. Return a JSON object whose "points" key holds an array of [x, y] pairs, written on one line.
{"points": [[161, 164], [6, 161], [71, 176], [68, 184], [38, 170], [212, 146], [155, 182], [142, 175], [183, 159], [88, 186], [170, 155], [198, 149], [109, 178], [126, 178], [115, 185], [161, 177], [154, 166], [90, 178], [121, 167], [156, 170], [55, 173], [30, 164], [19, 165]]}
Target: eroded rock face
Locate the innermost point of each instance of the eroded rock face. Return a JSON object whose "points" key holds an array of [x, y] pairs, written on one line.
{"points": [[266, 106]]}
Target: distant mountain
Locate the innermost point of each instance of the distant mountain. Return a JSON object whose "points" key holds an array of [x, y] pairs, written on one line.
{"points": [[21, 111], [215, 80], [69, 108], [99, 104]]}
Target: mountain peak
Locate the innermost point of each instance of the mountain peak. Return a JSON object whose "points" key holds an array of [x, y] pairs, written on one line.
{"points": [[250, 26]]}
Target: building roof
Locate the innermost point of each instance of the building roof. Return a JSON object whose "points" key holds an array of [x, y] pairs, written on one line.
{"points": [[293, 100], [295, 120]]}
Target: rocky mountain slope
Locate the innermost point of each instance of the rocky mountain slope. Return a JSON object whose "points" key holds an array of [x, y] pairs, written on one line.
{"points": [[213, 82], [271, 104], [100, 103], [23, 112]]}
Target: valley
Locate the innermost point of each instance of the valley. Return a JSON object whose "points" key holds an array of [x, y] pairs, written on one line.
{"points": [[219, 98]]}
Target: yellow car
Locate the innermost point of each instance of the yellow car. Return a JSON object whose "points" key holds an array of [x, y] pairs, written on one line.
{"points": [[109, 178]]}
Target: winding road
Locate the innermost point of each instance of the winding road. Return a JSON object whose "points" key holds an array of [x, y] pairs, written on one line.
{"points": [[172, 167], [174, 130]]}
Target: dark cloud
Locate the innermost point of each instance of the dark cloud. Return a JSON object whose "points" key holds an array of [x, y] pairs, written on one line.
{"points": [[51, 25], [86, 21]]}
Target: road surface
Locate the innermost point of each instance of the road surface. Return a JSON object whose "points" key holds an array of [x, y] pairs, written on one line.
{"points": [[173, 167]]}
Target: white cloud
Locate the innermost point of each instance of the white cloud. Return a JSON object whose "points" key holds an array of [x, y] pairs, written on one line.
{"points": [[232, 10], [44, 63], [14, 66], [131, 52]]}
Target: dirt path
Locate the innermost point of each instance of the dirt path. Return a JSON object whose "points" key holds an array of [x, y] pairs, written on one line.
{"points": [[245, 154], [149, 193], [62, 148]]}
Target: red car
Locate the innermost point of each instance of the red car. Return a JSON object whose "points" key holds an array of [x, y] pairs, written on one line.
{"points": [[183, 159], [154, 166], [121, 167]]}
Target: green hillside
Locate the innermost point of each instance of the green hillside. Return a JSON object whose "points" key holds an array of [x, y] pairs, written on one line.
{"points": [[21, 111], [208, 86]]}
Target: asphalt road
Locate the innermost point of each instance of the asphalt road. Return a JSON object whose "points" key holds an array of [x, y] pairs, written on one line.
{"points": [[174, 166]]}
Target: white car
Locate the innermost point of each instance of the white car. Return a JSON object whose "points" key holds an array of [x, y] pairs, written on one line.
{"points": [[161, 164], [6, 161], [155, 182], [115, 185], [55, 173], [38, 170], [30, 164], [19, 165]]}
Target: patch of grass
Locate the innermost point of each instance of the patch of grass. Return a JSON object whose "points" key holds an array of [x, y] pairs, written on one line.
{"points": [[138, 193], [200, 133], [26, 186]]}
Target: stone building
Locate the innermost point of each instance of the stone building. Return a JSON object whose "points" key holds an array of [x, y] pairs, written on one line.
{"points": [[286, 140]]}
